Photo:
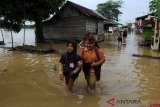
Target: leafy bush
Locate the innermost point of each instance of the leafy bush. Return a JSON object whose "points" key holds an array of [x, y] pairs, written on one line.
{"points": [[148, 33]]}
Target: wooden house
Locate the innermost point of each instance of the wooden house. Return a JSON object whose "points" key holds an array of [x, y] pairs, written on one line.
{"points": [[149, 23], [145, 21], [72, 21], [145, 25]]}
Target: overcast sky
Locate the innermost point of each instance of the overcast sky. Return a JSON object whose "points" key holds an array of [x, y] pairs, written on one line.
{"points": [[130, 8]]}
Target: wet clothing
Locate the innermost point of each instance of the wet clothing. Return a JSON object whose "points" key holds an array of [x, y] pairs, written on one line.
{"points": [[86, 69], [69, 62], [96, 45], [124, 33], [119, 39], [88, 58]]}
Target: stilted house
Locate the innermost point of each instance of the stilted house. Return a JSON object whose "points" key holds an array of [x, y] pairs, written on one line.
{"points": [[72, 21], [144, 22], [145, 25], [149, 26], [156, 37]]}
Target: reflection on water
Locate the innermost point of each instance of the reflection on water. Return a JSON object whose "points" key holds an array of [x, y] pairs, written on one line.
{"points": [[32, 79]]}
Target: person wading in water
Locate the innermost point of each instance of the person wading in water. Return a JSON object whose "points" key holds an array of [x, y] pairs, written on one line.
{"points": [[70, 65], [92, 58]]}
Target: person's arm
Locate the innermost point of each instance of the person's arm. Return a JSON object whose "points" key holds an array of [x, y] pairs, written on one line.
{"points": [[61, 64], [101, 61], [79, 65], [61, 76], [60, 68], [81, 44]]}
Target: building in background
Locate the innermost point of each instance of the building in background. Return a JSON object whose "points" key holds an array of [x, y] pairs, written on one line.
{"points": [[72, 21]]}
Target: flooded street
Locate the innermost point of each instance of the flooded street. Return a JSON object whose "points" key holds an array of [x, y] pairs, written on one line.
{"points": [[32, 80]]}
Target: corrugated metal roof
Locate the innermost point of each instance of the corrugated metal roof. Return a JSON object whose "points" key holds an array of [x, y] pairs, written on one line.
{"points": [[144, 16]]}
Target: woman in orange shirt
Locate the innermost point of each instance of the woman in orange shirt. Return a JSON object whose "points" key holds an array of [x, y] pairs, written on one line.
{"points": [[92, 57]]}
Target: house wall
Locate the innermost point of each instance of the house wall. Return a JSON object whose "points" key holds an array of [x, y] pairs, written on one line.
{"points": [[94, 26], [70, 24], [65, 29], [100, 27]]}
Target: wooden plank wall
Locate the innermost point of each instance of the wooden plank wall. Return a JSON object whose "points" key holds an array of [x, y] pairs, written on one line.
{"points": [[93, 24], [66, 28], [96, 27], [71, 24]]}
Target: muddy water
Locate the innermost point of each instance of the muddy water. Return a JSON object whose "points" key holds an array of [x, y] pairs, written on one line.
{"points": [[31, 80]]}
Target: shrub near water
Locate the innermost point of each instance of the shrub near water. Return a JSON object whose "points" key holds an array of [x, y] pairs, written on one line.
{"points": [[148, 33]]}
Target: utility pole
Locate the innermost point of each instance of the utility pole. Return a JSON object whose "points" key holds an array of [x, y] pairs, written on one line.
{"points": [[156, 37]]}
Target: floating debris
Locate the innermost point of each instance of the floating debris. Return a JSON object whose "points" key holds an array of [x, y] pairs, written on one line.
{"points": [[146, 56], [33, 49]]}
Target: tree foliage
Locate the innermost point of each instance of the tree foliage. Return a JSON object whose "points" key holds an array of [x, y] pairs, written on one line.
{"points": [[11, 14], [154, 6], [14, 12], [110, 9]]}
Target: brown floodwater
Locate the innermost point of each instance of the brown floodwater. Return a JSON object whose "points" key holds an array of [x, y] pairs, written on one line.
{"points": [[32, 80]]}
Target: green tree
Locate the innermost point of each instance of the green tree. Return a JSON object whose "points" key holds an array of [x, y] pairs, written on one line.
{"points": [[14, 12], [154, 6], [110, 9], [39, 10], [11, 14]]}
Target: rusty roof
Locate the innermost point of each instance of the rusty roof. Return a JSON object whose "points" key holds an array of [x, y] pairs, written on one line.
{"points": [[144, 16]]}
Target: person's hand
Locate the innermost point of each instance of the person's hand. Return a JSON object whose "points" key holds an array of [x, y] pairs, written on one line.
{"points": [[81, 46], [71, 73], [93, 64], [61, 77]]}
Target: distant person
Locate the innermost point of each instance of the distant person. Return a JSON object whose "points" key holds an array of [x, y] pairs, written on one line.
{"points": [[119, 39], [82, 42], [70, 65], [92, 58], [124, 35]]}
